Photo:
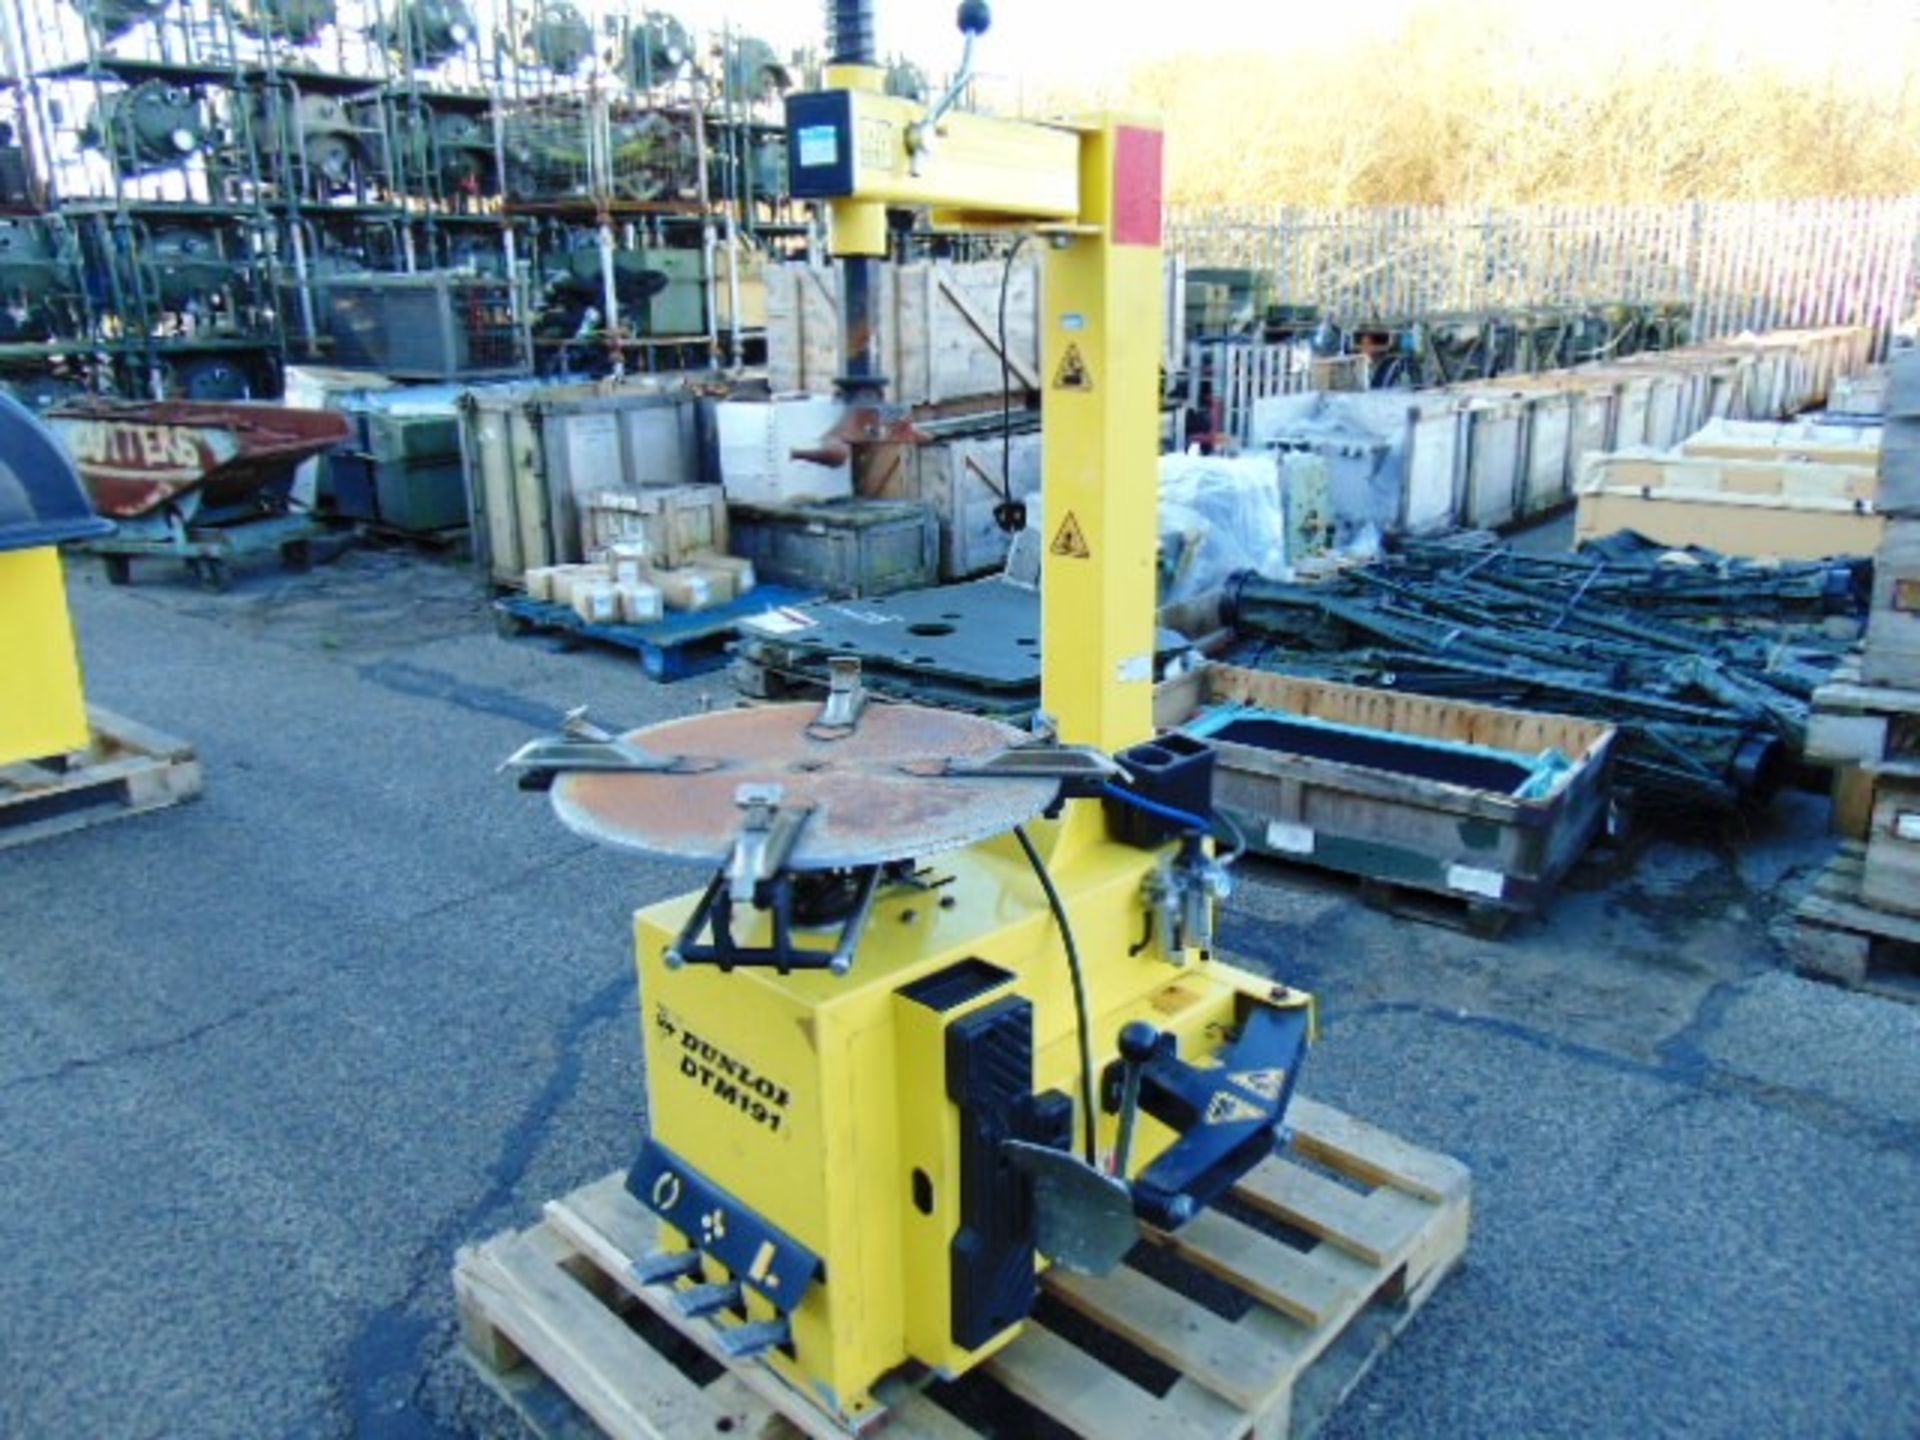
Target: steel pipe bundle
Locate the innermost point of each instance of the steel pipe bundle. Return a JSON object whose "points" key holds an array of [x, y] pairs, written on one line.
{"points": [[1707, 664]]}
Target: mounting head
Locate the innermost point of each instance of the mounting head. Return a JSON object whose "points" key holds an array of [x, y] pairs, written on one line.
{"points": [[974, 17]]}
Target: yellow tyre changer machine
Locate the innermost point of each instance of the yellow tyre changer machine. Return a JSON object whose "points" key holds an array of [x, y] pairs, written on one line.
{"points": [[43, 710], [947, 1011]]}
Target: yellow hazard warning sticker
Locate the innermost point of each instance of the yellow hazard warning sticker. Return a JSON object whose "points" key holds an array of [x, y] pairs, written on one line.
{"points": [[1070, 540], [1073, 373], [1227, 1108]]}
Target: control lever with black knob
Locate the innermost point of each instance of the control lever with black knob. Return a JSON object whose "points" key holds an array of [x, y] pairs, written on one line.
{"points": [[1138, 1041]]}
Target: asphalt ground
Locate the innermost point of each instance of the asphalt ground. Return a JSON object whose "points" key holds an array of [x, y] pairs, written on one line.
{"points": [[268, 1059]]}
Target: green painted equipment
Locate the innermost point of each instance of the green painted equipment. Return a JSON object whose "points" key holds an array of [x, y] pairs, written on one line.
{"points": [[152, 124], [658, 50], [559, 38]]}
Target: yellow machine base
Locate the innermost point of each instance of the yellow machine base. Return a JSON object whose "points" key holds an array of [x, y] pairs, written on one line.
{"points": [[820, 1102], [42, 710]]}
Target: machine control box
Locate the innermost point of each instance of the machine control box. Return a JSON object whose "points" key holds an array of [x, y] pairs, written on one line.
{"points": [[820, 158]]}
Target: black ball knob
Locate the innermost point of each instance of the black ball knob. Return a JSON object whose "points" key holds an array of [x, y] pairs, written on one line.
{"points": [[1138, 1041], [974, 17]]}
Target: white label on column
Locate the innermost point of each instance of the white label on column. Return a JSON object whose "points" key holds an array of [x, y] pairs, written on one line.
{"points": [[1290, 837], [1474, 881], [1136, 668], [819, 145]]}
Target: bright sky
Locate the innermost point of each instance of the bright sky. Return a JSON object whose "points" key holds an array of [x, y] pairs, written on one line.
{"points": [[1086, 42]]}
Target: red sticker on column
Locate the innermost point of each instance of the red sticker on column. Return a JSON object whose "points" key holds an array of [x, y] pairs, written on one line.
{"points": [[1136, 186]]}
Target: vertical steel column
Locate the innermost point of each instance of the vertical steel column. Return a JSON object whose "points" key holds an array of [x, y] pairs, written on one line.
{"points": [[850, 43], [1100, 361]]}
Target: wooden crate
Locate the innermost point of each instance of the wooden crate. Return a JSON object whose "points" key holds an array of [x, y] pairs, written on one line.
{"points": [[1784, 509], [1900, 465], [1891, 655], [1495, 852], [1849, 445], [1890, 879], [1836, 935], [961, 478], [938, 322], [127, 768], [676, 522], [1860, 724], [1252, 1326], [1862, 394]]}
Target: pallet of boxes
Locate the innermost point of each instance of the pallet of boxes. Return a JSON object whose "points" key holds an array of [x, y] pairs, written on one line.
{"points": [[1860, 923], [648, 554], [658, 581]]}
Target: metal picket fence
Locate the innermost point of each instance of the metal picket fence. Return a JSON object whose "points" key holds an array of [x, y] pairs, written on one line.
{"points": [[1735, 265]]}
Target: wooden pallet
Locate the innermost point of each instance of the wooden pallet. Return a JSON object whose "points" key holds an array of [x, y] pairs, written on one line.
{"points": [[1862, 724], [127, 768], [1839, 937], [680, 645], [1482, 919], [1256, 1319]]}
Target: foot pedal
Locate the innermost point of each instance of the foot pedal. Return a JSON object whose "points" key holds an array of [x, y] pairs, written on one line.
{"points": [[746, 1342], [665, 1265], [698, 1300], [1227, 1116]]}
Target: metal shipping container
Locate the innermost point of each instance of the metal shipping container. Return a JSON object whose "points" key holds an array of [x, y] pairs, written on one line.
{"points": [[438, 325], [1494, 474], [403, 471]]}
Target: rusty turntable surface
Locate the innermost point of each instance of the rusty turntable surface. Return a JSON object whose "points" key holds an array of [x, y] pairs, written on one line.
{"points": [[903, 781]]}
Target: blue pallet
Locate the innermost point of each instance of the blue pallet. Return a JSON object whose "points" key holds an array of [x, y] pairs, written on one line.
{"points": [[672, 648]]}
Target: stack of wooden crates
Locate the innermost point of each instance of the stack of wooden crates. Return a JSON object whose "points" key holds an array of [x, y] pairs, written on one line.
{"points": [[1861, 923], [940, 324], [1802, 490]]}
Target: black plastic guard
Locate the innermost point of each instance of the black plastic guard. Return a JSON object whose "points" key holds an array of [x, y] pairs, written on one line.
{"points": [[990, 1081]]}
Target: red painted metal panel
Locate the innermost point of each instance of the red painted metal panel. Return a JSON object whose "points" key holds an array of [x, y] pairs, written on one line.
{"points": [[1136, 185], [136, 457]]}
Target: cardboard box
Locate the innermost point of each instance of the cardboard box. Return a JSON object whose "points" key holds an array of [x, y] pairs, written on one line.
{"points": [[567, 579], [539, 582], [597, 602], [740, 570], [691, 588], [640, 603]]}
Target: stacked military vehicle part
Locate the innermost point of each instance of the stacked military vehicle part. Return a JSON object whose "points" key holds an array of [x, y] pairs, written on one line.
{"points": [[195, 192]]}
